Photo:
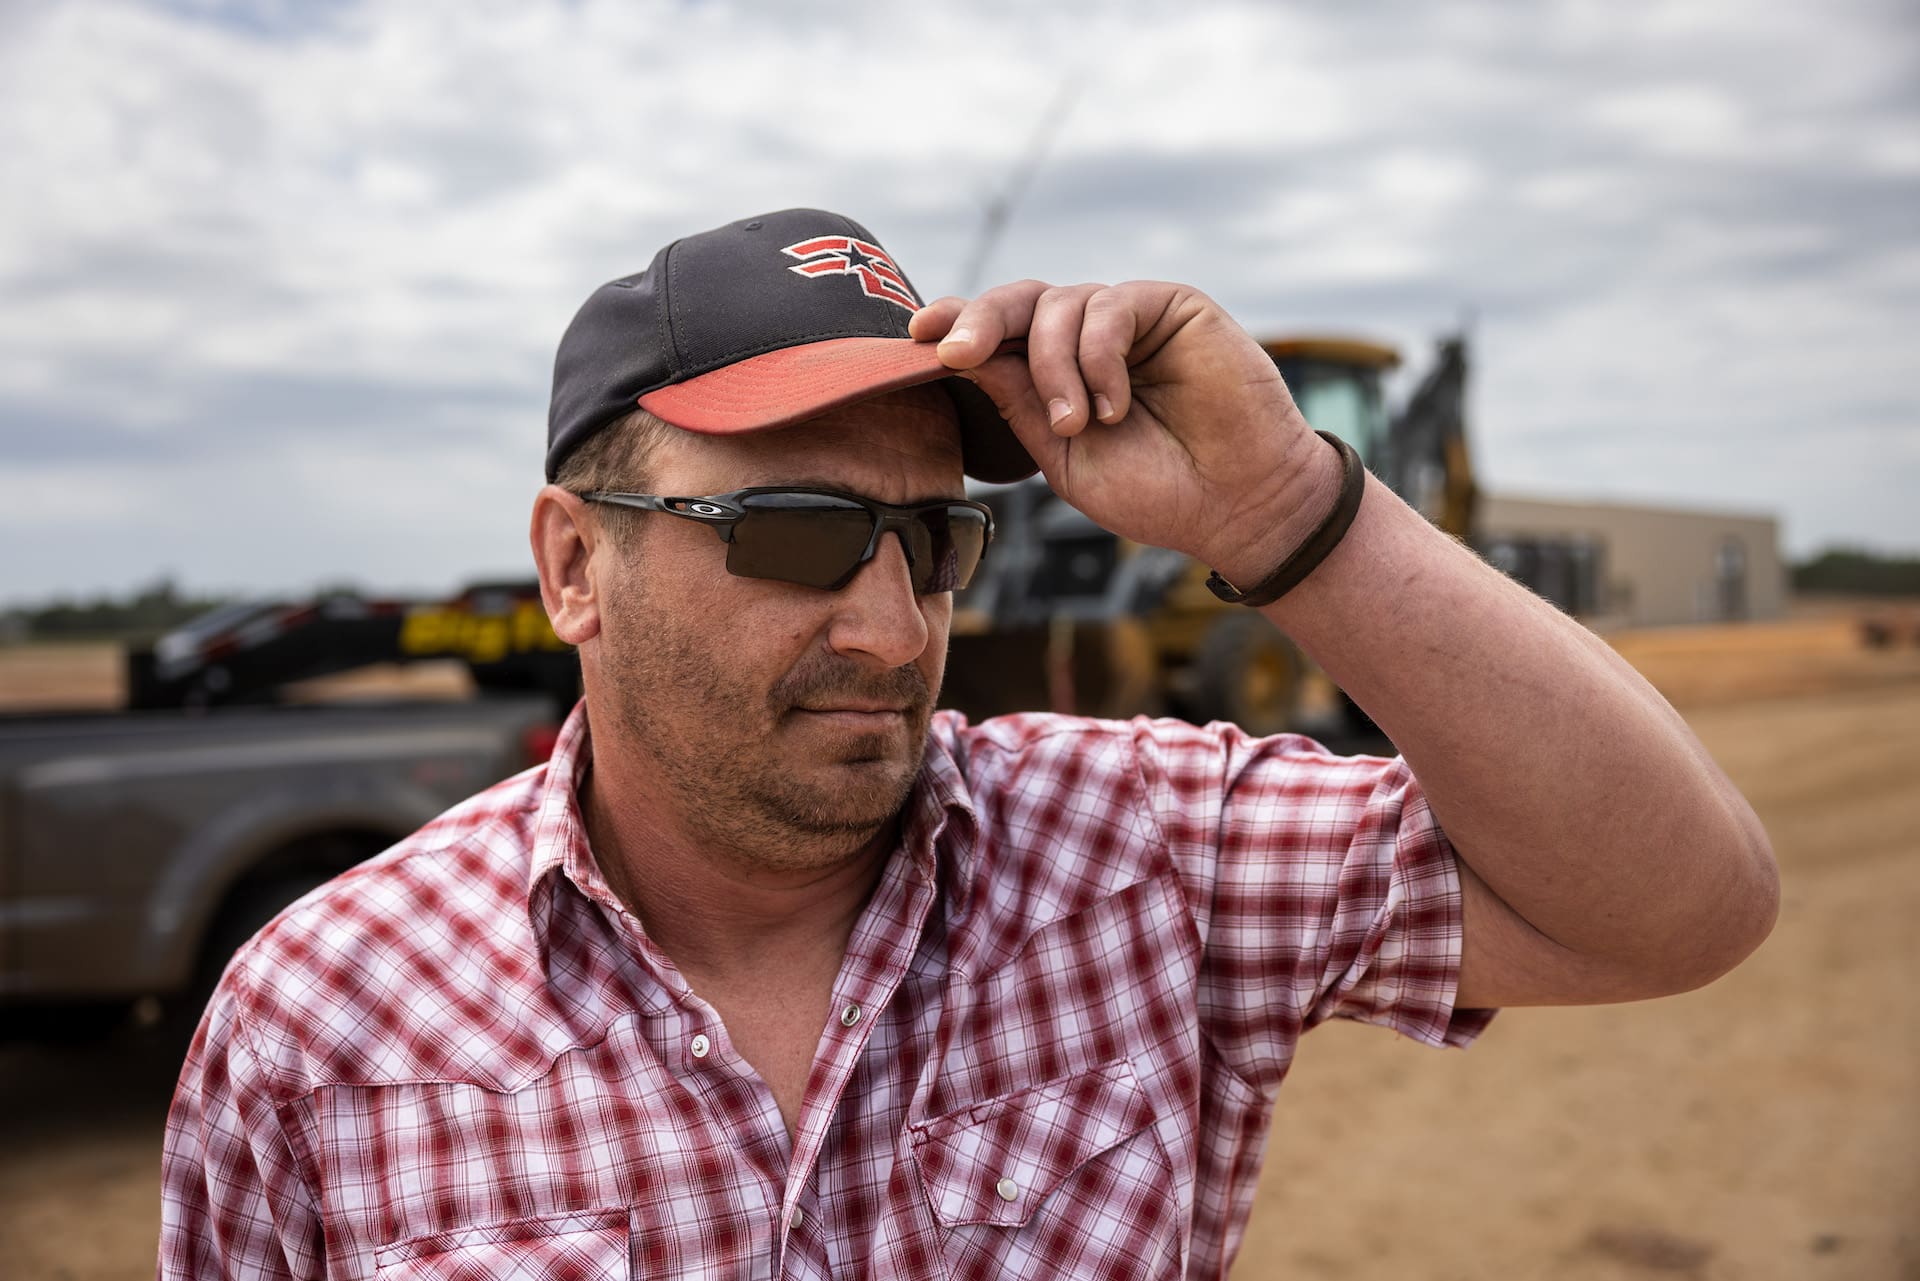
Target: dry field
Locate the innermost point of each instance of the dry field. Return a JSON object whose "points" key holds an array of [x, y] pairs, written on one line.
{"points": [[80, 675], [88, 676], [1767, 1127], [1704, 666]]}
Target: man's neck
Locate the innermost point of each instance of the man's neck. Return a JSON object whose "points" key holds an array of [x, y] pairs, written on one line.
{"points": [[715, 908]]}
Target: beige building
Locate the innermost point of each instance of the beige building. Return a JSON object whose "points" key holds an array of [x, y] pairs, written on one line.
{"points": [[1616, 565]]}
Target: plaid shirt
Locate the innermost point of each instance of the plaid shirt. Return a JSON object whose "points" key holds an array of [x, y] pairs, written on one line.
{"points": [[1053, 1047]]}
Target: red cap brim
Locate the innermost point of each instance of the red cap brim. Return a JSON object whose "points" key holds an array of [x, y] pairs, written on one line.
{"points": [[784, 387]]}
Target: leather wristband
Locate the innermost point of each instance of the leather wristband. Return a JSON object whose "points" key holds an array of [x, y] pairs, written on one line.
{"points": [[1353, 483]]}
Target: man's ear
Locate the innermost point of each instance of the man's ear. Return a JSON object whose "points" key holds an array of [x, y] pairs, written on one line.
{"points": [[564, 538]]}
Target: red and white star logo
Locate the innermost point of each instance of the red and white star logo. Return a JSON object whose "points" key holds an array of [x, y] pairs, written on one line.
{"points": [[845, 256]]}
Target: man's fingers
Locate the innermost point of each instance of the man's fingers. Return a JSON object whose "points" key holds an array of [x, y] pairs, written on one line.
{"points": [[931, 322], [1108, 329], [979, 327], [1078, 339], [1053, 356]]}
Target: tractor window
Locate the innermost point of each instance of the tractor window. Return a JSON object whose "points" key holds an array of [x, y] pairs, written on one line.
{"points": [[1341, 400]]}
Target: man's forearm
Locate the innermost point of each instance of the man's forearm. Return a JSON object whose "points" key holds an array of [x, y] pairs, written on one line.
{"points": [[1573, 790]]}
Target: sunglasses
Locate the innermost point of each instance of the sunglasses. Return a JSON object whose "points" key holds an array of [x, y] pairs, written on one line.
{"points": [[821, 537]]}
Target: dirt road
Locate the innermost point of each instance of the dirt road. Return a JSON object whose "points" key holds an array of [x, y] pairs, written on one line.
{"points": [[1766, 1127]]}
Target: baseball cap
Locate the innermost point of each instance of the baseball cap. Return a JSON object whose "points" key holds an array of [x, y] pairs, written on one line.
{"points": [[756, 325]]}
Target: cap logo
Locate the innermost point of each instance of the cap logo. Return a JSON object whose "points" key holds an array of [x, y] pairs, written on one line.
{"points": [[845, 256]]}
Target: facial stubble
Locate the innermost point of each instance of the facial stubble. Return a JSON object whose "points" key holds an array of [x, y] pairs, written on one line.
{"points": [[744, 775]]}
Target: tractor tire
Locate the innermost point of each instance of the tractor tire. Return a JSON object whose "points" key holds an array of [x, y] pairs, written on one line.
{"points": [[1116, 669], [1247, 672]]}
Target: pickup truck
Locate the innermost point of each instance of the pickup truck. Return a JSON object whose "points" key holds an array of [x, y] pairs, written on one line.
{"points": [[139, 848]]}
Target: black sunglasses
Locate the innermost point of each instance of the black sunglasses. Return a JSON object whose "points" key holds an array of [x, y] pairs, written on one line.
{"points": [[821, 537]]}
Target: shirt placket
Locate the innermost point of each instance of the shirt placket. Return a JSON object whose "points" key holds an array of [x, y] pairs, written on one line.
{"points": [[879, 955], [741, 1115]]}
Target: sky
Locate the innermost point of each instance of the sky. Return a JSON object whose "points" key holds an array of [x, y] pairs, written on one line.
{"points": [[280, 283]]}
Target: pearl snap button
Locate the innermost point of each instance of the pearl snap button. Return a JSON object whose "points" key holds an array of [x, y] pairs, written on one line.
{"points": [[799, 1216], [1008, 1190], [700, 1046], [850, 1016]]}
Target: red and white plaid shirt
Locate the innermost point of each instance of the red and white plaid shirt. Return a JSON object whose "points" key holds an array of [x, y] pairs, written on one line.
{"points": [[1053, 1048]]}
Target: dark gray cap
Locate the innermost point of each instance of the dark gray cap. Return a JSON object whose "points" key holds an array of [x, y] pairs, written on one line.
{"points": [[759, 324]]}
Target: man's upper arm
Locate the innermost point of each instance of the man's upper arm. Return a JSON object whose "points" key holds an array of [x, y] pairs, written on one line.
{"points": [[233, 1203], [1322, 886], [1504, 960]]}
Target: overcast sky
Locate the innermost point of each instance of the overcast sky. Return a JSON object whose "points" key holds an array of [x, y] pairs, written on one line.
{"points": [[280, 283]]}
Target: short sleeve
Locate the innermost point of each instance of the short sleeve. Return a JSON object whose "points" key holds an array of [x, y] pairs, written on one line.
{"points": [[1322, 887], [233, 1203]]}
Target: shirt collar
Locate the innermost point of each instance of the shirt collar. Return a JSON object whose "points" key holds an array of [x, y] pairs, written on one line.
{"points": [[560, 834], [941, 806]]}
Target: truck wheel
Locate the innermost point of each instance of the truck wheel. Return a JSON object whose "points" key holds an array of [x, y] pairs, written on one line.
{"points": [[1246, 672], [243, 916]]}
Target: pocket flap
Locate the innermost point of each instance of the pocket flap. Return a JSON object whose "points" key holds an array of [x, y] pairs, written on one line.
{"points": [[995, 1162], [590, 1244]]}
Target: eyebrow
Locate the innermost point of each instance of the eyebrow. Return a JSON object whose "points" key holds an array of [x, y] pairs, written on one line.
{"points": [[816, 482]]}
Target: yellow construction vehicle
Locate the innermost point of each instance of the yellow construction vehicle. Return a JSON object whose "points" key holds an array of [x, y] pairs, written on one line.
{"points": [[1064, 616]]}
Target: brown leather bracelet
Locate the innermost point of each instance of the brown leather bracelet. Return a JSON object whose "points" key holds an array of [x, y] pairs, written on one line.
{"points": [[1353, 483]]}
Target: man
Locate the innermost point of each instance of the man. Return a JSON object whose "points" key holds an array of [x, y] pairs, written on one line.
{"points": [[772, 971]]}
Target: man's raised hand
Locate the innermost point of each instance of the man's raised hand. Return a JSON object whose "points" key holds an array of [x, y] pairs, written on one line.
{"points": [[1149, 409]]}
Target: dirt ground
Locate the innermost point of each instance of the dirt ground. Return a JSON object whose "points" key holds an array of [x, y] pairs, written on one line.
{"points": [[1765, 1127]]}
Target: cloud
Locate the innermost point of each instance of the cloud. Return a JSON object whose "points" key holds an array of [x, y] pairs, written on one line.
{"points": [[324, 251]]}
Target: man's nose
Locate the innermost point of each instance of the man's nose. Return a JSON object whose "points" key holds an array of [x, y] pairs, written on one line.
{"points": [[878, 613]]}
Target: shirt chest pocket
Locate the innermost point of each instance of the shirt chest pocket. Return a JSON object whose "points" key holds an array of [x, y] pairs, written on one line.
{"points": [[559, 1248], [1000, 1162]]}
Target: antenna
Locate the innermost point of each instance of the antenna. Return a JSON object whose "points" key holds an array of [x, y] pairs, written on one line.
{"points": [[999, 206]]}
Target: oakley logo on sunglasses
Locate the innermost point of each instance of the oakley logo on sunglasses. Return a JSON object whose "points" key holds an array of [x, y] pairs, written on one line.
{"points": [[821, 537], [846, 256]]}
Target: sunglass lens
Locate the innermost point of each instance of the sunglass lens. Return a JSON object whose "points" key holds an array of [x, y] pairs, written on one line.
{"points": [[818, 540], [947, 543], [814, 546]]}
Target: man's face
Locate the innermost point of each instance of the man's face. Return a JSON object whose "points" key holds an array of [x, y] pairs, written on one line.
{"points": [[783, 722]]}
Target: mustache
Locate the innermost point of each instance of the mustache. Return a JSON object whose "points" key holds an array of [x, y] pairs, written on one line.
{"points": [[825, 677]]}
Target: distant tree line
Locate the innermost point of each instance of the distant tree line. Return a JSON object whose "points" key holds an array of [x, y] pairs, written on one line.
{"points": [[1847, 571], [146, 613], [161, 606]]}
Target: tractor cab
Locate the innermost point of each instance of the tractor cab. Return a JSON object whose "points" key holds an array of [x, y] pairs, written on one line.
{"points": [[1336, 383]]}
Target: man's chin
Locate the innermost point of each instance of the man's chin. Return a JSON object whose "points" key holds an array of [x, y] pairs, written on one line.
{"points": [[848, 770], [854, 798], [877, 769], [860, 786]]}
